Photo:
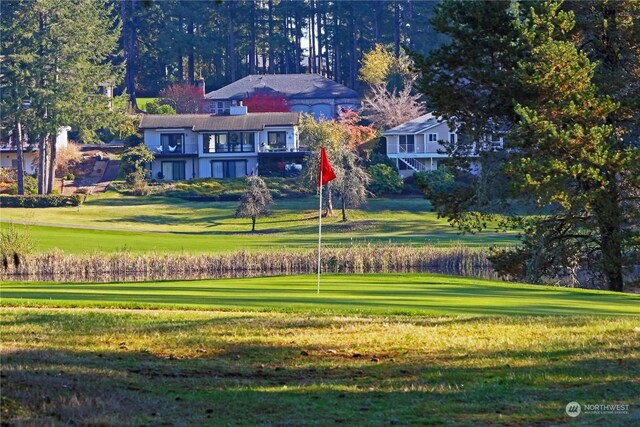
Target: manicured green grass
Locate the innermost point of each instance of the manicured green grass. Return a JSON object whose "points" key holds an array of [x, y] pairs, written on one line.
{"points": [[142, 102], [88, 367], [340, 294], [114, 222]]}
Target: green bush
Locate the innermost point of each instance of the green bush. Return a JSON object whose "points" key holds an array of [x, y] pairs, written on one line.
{"points": [[434, 183], [15, 244], [70, 176], [35, 201], [384, 180], [30, 186], [155, 107], [232, 189]]}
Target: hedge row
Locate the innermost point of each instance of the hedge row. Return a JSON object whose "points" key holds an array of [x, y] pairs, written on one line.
{"points": [[37, 201]]}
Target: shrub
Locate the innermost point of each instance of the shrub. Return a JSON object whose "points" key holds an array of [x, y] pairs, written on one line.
{"points": [[133, 163], [384, 180], [67, 158], [15, 244], [35, 201], [69, 177], [434, 183], [30, 186], [7, 175], [155, 107], [140, 187]]}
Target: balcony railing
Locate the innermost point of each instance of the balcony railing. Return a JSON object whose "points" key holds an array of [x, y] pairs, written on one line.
{"points": [[172, 150]]}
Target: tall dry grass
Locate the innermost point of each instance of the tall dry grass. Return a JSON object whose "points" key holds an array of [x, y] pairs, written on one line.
{"points": [[359, 259]]}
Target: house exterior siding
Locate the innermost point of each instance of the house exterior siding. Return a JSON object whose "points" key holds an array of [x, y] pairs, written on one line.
{"points": [[200, 147], [416, 146]]}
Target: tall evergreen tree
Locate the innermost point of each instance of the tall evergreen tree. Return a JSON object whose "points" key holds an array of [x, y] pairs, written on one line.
{"points": [[65, 49], [525, 75]]}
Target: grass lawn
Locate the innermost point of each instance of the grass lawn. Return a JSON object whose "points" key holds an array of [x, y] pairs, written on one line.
{"points": [[372, 294], [142, 102], [113, 222], [489, 354]]}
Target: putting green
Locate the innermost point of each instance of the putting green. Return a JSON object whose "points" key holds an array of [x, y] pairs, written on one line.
{"points": [[344, 294]]}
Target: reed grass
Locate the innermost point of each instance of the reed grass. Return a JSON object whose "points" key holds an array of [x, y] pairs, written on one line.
{"points": [[356, 259]]}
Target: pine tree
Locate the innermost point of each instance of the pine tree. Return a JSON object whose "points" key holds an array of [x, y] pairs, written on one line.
{"points": [[526, 73], [65, 50]]}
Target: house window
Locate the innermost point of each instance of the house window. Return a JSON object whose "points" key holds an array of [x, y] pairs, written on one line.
{"points": [[172, 143], [453, 138], [277, 141], [232, 142], [172, 171], [221, 107], [407, 144], [228, 168], [433, 137]]}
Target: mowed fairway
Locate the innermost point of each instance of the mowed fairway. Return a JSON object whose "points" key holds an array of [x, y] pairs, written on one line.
{"points": [[340, 294], [112, 222], [487, 353]]}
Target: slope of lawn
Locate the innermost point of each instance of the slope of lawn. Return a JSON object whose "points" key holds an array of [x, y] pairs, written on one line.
{"points": [[112, 222], [105, 367], [340, 294]]}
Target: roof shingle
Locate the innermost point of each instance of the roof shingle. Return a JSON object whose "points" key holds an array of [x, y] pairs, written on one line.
{"points": [[205, 122], [291, 85], [414, 126]]}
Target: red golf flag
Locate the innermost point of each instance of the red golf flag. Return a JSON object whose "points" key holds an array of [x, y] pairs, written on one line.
{"points": [[326, 173]]}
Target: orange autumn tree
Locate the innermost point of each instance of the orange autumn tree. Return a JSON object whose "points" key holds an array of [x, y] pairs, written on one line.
{"points": [[356, 134]]}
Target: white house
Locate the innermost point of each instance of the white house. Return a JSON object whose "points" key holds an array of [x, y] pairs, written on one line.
{"points": [[9, 152], [416, 146], [211, 146]]}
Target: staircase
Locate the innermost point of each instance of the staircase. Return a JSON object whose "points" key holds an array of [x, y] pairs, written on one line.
{"points": [[414, 164]]}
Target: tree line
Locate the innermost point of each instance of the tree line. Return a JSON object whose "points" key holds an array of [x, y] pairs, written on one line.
{"points": [[222, 41]]}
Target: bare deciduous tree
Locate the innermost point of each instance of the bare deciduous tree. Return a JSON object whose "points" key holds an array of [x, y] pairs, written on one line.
{"points": [[387, 109], [255, 201]]}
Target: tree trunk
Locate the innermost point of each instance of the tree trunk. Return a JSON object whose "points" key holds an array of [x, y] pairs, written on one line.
{"points": [[253, 223], [609, 216], [344, 210], [52, 165], [328, 203], [129, 37], [180, 67], [19, 159], [319, 45], [312, 39], [298, 33], [337, 76], [232, 42], [42, 164], [252, 37], [271, 38], [286, 55], [191, 67], [396, 28], [353, 59], [376, 21]]}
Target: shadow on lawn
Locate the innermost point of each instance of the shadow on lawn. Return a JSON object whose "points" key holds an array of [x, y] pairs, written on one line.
{"points": [[249, 384]]}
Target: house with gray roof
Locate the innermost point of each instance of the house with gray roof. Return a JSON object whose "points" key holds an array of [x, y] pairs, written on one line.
{"points": [[417, 145], [211, 146], [305, 93]]}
